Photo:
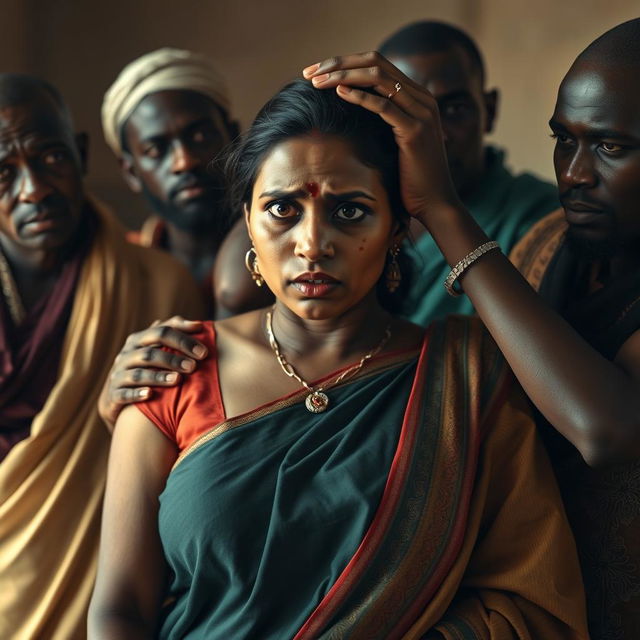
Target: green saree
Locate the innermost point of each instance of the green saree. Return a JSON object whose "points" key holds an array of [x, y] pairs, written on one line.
{"points": [[361, 522]]}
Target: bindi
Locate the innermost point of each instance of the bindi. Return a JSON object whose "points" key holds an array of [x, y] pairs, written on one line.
{"points": [[313, 189]]}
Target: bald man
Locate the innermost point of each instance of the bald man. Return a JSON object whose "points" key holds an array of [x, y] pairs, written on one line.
{"points": [[72, 289], [585, 260], [166, 118]]}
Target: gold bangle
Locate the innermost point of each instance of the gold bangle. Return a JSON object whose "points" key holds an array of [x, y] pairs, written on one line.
{"points": [[464, 264]]}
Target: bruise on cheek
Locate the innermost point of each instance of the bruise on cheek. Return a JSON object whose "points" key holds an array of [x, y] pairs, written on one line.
{"points": [[313, 189]]}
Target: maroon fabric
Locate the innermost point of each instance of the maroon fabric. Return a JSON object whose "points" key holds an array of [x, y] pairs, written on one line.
{"points": [[30, 355]]}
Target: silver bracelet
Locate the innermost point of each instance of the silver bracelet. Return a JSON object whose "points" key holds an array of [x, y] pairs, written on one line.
{"points": [[464, 264]]}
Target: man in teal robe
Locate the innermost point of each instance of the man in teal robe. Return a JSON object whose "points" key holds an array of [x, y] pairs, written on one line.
{"points": [[447, 62]]}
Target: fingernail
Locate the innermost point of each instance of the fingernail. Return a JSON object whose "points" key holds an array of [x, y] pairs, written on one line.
{"points": [[171, 377], [199, 351], [342, 88], [320, 79], [143, 393], [307, 71], [187, 365]]}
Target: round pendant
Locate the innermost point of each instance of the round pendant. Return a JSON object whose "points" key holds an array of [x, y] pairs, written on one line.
{"points": [[317, 402]]}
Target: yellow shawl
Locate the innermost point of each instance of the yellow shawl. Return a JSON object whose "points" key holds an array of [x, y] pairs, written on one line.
{"points": [[51, 484]]}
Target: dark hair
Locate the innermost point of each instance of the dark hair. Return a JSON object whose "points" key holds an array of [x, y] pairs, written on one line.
{"points": [[431, 36], [299, 109], [21, 88]]}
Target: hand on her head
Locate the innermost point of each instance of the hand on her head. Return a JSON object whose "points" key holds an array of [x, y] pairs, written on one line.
{"points": [[143, 364], [410, 110]]}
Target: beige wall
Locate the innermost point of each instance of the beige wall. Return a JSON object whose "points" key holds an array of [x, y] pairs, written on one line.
{"points": [[80, 45]]}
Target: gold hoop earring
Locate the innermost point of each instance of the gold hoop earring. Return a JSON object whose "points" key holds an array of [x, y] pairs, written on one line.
{"points": [[393, 276], [252, 267]]}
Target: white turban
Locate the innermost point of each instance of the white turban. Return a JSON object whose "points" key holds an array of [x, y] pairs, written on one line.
{"points": [[161, 70]]}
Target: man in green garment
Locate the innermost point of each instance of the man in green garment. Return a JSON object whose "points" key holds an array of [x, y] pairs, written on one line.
{"points": [[447, 62]]}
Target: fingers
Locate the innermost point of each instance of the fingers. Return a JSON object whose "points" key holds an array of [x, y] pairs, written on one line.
{"points": [[370, 59], [138, 378], [385, 108], [382, 76], [154, 357], [172, 333]]}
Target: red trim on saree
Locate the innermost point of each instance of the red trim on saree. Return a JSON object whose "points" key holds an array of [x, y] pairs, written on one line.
{"points": [[419, 527]]}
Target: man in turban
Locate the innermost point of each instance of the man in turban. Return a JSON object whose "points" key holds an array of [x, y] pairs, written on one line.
{"points": [[72, 289], [166, 118]]}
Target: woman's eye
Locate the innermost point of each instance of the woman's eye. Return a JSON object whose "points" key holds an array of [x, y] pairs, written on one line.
{"points": [[560, 138], [282, 210], [350, 213]]}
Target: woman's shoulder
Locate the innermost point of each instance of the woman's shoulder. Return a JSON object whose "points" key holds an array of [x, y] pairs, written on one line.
{"points": [[185, 409]]}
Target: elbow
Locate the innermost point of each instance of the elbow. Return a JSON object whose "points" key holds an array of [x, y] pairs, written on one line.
{"points": [[604, 444], [111, 623], [231, 298]]}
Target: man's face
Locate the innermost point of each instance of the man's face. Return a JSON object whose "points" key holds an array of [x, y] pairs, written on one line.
{"points": [[41, 191], [466, 111], [172, 136], [596, 124]]}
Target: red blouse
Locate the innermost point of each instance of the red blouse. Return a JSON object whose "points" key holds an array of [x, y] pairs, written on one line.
{"points": [[186, 411]]}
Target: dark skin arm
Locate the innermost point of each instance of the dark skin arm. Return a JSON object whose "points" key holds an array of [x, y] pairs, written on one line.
{"points": [[234, 290], [131, 568], [593, 402], [142, 365]]}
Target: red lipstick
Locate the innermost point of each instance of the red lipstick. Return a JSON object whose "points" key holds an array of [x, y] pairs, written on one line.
{"points": [[315, 285]]}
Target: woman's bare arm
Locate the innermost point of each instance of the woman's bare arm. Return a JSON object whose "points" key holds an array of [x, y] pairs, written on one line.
{"points": [[131, 566]]}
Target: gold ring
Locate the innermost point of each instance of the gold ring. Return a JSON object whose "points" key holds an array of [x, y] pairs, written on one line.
{"points": [[396, 90]]}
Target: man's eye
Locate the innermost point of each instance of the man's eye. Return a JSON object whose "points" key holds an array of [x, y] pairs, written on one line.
{"points": [[54, 157], [152, 151], [6, 173], [611, 147], [201, 137], [560, 138], [282, 210], [455, 110], [350, 213]]}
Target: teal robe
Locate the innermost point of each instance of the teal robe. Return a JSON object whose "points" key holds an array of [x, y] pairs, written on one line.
{"points": [[505, 206]]}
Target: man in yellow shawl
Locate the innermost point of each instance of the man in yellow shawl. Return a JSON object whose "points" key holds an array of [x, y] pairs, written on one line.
{"points": [[72, 289]]}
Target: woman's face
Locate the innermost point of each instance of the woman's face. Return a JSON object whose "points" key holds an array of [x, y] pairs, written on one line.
{"points": [[321, 225]]}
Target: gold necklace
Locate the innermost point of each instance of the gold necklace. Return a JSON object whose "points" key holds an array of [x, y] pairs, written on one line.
{"points": [[10, 291], [317, 401]]}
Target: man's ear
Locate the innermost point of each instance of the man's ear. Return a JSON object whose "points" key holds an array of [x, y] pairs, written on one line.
{"points": [[245, 209], [129, 172], [491, 101], [82, 143]]}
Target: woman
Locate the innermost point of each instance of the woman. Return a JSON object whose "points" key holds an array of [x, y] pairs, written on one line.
{"points": [[332, 470]]}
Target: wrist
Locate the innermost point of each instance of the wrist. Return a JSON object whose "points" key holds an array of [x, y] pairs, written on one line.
{"points": [[441, 214]]}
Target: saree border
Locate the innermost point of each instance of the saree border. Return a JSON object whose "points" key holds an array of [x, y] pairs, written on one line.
{"points": [[419, 527], [533, 253], [375, 366]]}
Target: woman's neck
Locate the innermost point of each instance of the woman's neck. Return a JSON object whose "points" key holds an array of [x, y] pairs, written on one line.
{"points": [[333, 339]]}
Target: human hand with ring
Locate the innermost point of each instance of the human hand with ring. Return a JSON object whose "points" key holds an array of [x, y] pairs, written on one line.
{"points": [[411, 112]]}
